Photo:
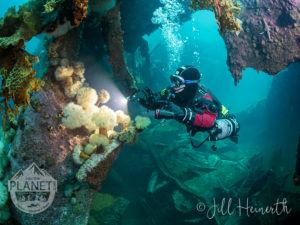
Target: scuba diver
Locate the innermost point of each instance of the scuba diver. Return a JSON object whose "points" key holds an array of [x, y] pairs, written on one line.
{"points": [[192, 104]]}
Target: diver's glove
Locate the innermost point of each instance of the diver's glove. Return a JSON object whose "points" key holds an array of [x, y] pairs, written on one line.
{"points": [[184, 115], [177, 110]]}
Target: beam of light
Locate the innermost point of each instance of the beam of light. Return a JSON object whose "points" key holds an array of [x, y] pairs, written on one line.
{"points": [[99, 79], [123, 100], [117, 100]]}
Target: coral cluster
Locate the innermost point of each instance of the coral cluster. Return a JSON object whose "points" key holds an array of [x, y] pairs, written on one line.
{"points": [[80, 10], [70, 74], [102, 121], [16, 65], [42, 121], [86, 97], [18, 27], [225, 13], [109, 129], [104, 97], [105, 143], [129, 134], [18, 81], [51, 5]]}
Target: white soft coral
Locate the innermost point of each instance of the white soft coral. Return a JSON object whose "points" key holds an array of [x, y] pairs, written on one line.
{"points": [[63, 72], [89, 123], [104, 96], [74, 116], [105, 118], [86, 97]]}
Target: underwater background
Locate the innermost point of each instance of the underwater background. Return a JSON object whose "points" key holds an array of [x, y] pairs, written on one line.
{"points": [[162, 179]]}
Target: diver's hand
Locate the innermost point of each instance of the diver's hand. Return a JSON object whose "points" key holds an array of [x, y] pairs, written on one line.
{"points": [[177, 110], [184, 115], [163, 114], [170, 111]]}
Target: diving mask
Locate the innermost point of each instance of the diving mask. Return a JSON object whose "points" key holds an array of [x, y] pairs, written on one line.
{"points": [[178, 81]]}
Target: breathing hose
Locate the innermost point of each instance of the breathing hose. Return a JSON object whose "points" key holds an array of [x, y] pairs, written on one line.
{"points": [[199, 145]]}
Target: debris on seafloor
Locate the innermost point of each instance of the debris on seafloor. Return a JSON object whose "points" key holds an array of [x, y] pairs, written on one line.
{"points": [[153, 186]]}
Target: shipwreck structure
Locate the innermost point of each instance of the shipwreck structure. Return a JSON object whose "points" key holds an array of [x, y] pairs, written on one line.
{"points": [[33, 108]]}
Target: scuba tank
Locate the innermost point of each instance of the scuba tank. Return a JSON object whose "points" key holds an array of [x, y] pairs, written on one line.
{"points": [[224, 128]]}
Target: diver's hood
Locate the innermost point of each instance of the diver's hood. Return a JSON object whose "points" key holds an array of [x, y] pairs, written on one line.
{"points": [[187, 95]]}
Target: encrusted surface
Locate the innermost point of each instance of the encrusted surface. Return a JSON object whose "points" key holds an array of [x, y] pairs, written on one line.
{"points": [[16, 65], [270, 39], [94, 176], [79, 11], [114, 38], [225, 13], [41, 138]]}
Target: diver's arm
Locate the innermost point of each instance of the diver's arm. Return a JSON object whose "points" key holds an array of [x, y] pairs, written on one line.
{"points": [[205, 120], [187, 116], [202, 118]]}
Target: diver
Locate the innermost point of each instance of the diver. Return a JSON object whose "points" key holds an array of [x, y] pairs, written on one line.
{"points": [[192, 104]]}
